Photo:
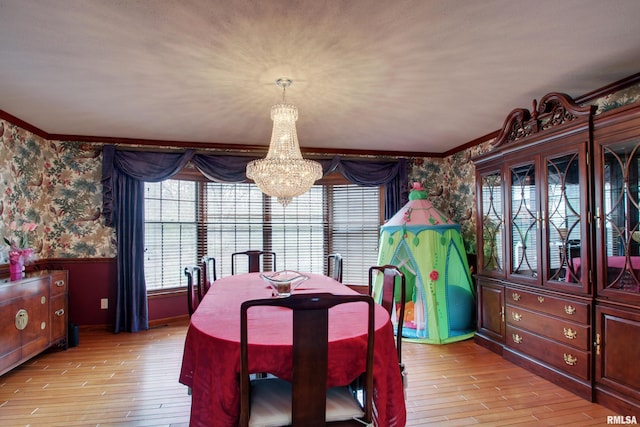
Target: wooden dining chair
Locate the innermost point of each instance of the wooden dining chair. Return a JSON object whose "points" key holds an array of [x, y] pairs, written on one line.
{"points": [[334, 266], [306, 401], [256, 259], [208, 265], [387, 299], [194, 277]]}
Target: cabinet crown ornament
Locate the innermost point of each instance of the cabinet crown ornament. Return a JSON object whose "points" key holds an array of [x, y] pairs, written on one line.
{"points": [[554, 109]]}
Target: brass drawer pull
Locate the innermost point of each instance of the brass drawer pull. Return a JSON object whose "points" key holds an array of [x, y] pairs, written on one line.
{"points": [[570, 360], [570, 333], [517, 338], [516, 316], [569, 309], [515, 296], [540, 300], [59, 283], [60, 312]]}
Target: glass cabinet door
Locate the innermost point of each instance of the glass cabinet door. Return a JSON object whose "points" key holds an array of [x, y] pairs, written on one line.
{"points": [[525, 218], [620, 213], [565, 200], [492, 251]]}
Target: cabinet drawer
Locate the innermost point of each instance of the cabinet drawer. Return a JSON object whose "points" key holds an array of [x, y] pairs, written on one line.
{"points": [[58, 284], [568, 359], [560, 330], [573, 310]]}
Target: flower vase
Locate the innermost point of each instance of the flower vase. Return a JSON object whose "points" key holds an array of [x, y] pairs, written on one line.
{"points": [[15, 269]]}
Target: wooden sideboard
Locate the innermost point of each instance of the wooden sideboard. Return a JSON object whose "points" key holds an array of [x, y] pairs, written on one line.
{"points": [[33, 316]]}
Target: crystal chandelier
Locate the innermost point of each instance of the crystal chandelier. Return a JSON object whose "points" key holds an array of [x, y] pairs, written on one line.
{"points": [[284, 173]]}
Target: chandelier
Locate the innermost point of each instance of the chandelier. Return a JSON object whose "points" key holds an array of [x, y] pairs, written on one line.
{"points": [[284, 173]]}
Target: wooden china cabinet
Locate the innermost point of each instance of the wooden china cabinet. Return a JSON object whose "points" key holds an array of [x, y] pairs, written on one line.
{"points": [[558, 282]]}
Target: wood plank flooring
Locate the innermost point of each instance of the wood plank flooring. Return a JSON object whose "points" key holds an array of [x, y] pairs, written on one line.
{"points": [[132, 380]]}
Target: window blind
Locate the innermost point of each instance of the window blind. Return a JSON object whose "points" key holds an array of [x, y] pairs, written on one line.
{"points": [[354, 227], [170, 232], [185, 220]]}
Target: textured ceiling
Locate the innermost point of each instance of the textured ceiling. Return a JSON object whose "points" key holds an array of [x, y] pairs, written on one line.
{"points": [[405, 76]]}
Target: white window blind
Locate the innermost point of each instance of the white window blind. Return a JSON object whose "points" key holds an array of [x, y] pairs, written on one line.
{"points": [[354, 227], [227, 218], [170, 232]]}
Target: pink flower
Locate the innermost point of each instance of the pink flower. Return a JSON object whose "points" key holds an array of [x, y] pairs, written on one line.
{"points": [[434, 275], [407, 215]]}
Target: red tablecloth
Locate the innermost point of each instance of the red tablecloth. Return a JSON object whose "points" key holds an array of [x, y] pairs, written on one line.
{"points": [[211, 360]]}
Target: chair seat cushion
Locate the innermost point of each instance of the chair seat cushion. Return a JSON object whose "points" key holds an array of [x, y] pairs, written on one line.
{"points": [[271, 403]]}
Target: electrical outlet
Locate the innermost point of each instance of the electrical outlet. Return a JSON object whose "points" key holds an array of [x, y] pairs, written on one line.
{"points": [[104, 303]]}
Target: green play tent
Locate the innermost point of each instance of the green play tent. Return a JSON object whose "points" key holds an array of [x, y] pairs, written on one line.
{"points": [[427, 247]]}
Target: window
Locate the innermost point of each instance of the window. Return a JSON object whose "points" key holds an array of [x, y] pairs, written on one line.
{"points": [[170, 232], [185, 220]]}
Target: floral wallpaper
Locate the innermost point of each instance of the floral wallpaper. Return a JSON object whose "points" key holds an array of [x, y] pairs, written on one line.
{"points": [[57, 185]]}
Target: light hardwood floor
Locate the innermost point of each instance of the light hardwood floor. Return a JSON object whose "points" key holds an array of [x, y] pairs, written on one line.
{"points": [[132, 380]]}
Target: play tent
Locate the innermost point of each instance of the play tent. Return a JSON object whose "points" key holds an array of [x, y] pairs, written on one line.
{"points": [[427, 247]]}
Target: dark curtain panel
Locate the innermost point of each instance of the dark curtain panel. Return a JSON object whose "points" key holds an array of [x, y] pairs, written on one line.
{"points": [[397, 191], [123, 177], [131, 293], [392, 174]]}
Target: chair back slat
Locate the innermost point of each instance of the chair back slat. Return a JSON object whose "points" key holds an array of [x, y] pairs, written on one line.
{"points": [[309, 403]]}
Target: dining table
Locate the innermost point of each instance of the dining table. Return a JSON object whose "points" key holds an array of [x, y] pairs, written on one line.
{"points": [[211, 358]]}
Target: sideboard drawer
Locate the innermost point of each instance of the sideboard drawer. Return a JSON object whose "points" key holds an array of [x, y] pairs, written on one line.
{"points": [[574, 310], [59, 283], [561, 330], [563, 357]]}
